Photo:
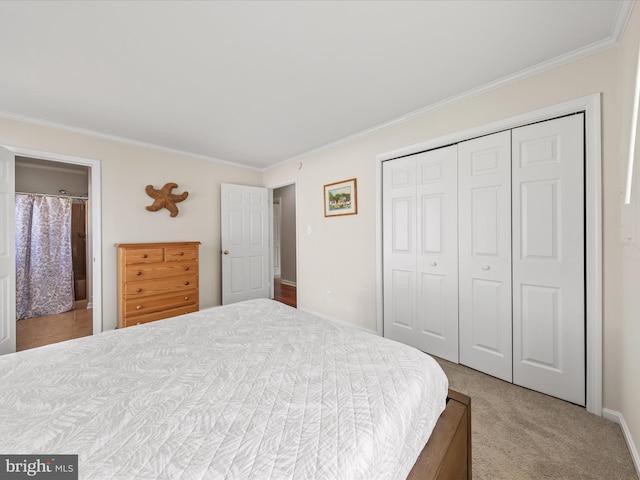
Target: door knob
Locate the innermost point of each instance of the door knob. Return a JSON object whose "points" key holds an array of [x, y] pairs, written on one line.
{"points": [[226, 252]]}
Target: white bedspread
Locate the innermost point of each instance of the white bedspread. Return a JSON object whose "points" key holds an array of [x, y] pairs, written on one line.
{"points": [[255, 390]]}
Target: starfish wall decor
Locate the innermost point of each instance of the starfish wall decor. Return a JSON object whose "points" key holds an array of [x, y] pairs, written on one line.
{"points": [[164, 198]]}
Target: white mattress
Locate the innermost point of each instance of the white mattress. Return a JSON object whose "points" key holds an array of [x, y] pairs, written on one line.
{"points": [[250, 390]]}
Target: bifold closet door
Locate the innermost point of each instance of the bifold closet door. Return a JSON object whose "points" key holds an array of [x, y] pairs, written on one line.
{"points": [[399, 249], [548, 258], [484, 176], [437, 261], [420, 251]]}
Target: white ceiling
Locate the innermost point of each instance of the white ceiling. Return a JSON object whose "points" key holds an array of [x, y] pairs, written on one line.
{"points": [[260, 82]]}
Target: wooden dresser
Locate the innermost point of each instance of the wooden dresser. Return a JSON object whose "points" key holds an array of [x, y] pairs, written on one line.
{"points": [[156, 280]]}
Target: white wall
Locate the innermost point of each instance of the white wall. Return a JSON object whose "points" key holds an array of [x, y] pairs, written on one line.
{"points": [[126, 170], [348, 266], [32, 178], [629, 293]]}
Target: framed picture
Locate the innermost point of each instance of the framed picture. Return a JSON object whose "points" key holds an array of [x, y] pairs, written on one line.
{"points": [[340, 198]]}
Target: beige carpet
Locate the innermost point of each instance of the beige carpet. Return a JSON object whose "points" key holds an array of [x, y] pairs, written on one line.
{"points": [[521, 434]]}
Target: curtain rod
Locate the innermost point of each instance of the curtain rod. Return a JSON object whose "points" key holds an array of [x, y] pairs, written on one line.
{"points": [[53, 195]]}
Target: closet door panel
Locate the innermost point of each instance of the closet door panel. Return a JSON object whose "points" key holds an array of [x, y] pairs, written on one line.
{"points": [[437, 256], [485, 218], [548, 258], [432, 307], [399, 249], [420, 251], [484, 176], [485, 304]]}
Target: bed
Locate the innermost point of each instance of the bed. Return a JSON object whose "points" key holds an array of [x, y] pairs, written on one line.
{"points": [[255, 389]]}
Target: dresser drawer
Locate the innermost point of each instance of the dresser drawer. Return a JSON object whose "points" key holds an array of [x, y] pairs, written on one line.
{"points": [[173, 254], [173, 269], [156, 303], [160, 285], [143, 255], [151, 317]]}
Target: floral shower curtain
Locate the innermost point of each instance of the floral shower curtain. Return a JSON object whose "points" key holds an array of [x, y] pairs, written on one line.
{"points": [[44, 270]]}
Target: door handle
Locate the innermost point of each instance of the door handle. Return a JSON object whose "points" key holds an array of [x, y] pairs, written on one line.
{"points": [[226, 252], [486, 267]]}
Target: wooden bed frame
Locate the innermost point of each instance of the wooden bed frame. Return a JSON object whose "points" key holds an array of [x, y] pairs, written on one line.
{"points": [[447, 454]]}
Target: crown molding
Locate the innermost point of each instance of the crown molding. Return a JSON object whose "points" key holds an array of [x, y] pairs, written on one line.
{"points": [[114, 138], [624, 13]]}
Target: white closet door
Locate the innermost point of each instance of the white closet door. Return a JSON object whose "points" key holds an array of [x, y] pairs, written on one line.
{"points": [[437, 260], [485, 254], [548, 258], [399, 249]]}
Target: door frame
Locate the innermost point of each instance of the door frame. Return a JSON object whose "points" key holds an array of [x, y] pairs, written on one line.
{"points": [[591, 105], [273, 233], [95, 226], [271, 187]]}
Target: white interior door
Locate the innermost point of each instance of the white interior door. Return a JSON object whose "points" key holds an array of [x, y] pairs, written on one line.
{"points": [[437, 252], [484, 206], [7, 253], [548, 258], [245, 243], [399, 249]]}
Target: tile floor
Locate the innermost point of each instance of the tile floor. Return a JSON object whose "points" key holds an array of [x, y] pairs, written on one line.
{"points": [[38, 331]]}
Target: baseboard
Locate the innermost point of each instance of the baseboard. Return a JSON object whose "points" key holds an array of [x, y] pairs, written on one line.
{"points": [[342, 323], [618, 418], [287, 282], [81, 304]]}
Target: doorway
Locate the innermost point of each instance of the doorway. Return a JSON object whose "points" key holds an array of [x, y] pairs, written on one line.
{"points": [[7, 241], [285, 285], [53, 296]]}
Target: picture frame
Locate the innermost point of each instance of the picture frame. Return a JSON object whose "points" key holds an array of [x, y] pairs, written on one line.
{"points": [[341, 198]]}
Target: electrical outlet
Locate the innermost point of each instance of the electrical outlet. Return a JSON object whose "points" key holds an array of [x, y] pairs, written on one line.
{"points": [[329, 295]]}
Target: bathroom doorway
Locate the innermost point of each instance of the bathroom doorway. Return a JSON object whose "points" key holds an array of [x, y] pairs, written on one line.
{"points": [[53, 291]]}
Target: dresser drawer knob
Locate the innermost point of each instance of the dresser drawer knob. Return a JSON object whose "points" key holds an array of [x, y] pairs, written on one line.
{"points": [[139, 273], [138, 307], [138, 290], [144, 255], [181, 253], [186, 298], [186, 283], [186, 268]]}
